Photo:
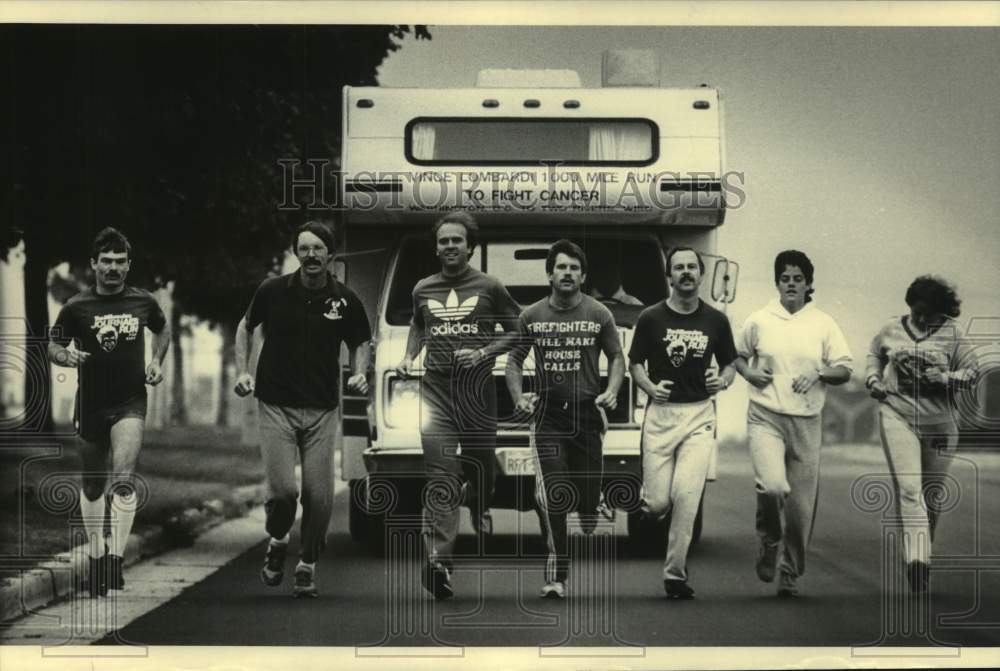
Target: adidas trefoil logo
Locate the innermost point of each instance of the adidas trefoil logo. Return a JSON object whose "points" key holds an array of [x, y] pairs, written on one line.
{"points": [[452, 310]]}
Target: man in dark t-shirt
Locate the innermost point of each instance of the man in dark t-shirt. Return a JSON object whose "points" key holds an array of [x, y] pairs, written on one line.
{"points": [[106, 324], [670, 360], [456, 316], [303, 318], [566, 333]]}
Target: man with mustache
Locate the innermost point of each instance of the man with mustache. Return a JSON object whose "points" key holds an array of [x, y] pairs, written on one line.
{"points": [[670, 359], [455, 316], [106, 324], [303, 318], [567, 331]]}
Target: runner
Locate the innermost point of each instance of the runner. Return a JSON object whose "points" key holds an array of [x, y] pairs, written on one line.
{"points": [[796, 351], [455, 315], [567, 330], [678, 339], [304, 317], [915, 364], [106, 324]]}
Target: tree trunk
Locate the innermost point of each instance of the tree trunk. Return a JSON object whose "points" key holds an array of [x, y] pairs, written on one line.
{"points": [[178, 400], [225, 378], [38, 378]]}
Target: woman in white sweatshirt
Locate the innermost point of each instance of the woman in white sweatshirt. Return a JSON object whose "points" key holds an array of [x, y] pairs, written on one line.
{"points": [[916, 363], [788, 352]]}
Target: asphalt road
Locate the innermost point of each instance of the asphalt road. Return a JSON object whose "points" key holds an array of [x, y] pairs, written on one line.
{"points": [[616, 599]]}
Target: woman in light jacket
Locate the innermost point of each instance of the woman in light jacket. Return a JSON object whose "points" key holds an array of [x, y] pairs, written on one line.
{"points": [[915, 364]]}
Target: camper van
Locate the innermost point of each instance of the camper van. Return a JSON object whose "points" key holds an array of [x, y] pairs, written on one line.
{"points": [[625, 171]]}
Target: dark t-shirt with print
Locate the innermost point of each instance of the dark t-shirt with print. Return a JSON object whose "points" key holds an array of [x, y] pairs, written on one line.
{"points": [[299, 364], [463, 312], [567, 346], [679, 347], [111, 328]]}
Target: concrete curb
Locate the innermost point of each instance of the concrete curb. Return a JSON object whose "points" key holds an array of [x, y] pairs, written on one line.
{"points": [[55, 579]]}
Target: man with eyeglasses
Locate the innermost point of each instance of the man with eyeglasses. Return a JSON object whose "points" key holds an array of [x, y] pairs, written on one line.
{"points": [[304, 317]]}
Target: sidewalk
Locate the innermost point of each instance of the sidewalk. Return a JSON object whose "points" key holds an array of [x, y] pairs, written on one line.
{"points": [[57, 579]]}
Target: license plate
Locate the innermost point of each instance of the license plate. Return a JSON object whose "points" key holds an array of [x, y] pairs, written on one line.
{"points": [[517, 463]]}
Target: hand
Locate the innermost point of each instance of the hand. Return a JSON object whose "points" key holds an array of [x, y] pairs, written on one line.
{"points": [[154, 375], [244, 384], [877, 391], [404, 367], [469, 357], [358, 383], [936, 375], [760, 377], [713, 383], [71, 358], [607, 400], [804, 382], [661, 392], [526, 404]]}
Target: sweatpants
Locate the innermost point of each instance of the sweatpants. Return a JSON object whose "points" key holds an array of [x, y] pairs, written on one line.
{"points": [[918, 459], [309, 435], [677, 444], [785, 454], [457, 411], [567, 441]]}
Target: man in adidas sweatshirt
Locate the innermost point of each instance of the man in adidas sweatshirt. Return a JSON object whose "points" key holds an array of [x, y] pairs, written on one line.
{"points": [[789, 351]]}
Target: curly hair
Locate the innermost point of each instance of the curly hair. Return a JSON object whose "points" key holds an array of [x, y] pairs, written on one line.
{"points": [[569, 248], [793, 257], [936, 293]]}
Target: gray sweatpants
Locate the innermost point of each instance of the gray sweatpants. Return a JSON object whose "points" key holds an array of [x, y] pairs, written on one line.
{"points": [[919, 460], [306, 434], [677, 444], [785, 454]]}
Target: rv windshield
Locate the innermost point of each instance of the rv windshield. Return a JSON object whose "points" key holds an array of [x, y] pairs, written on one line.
{"points": [[626, 275]]}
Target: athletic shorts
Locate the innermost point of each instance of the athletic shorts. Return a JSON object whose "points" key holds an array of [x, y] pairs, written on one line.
{"points": [[95, 427]]}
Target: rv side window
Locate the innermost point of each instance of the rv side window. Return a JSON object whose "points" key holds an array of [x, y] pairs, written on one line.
{"points": [[531, 141]]}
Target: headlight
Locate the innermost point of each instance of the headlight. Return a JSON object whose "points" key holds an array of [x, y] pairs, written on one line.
{"points": [[402, 405]]}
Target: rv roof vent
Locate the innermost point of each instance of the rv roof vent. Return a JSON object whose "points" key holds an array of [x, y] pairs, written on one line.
{"points": [[630, 67], [516, 79]]}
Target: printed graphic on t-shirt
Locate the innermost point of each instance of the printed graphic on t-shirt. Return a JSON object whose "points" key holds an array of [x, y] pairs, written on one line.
{"points": [[110, 328], [333, 307], [453, 309], [683, 342], [912, 367], [563, 353]]}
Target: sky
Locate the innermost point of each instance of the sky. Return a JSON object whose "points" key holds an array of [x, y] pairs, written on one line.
{"points": [[874, 150]]}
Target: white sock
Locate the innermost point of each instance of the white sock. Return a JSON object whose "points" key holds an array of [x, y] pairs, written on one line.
{"points": [[93, 523], [280, 541], [302, 564], [122, 516]]}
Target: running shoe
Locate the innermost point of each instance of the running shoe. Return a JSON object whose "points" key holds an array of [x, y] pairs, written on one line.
{"points": [[114, 567], [554, 589], [274, 564], [678, 589], [787, 585], [767, 558], [436, 579], [305, 585]]}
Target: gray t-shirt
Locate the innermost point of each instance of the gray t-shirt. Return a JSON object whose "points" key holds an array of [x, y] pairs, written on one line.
{"points": [[567, 346]]}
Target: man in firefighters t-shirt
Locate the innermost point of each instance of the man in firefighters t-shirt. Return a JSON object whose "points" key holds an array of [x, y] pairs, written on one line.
{"points": [[455, 316]]}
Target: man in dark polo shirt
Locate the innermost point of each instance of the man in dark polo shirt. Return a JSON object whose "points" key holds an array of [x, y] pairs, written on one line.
{"points": [[455, 316], [567, 331], [304, 317]]}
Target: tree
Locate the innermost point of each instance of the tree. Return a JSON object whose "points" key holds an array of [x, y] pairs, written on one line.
{"points": [[173, 134]]}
